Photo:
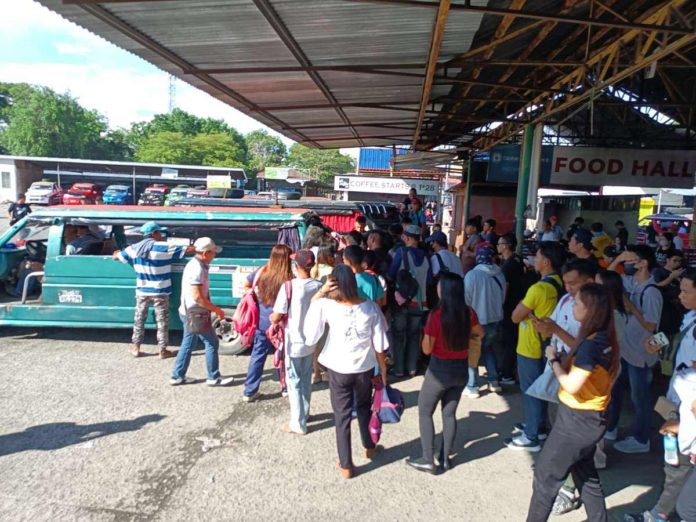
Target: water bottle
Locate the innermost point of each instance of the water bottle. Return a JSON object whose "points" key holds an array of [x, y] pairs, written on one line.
{"points": [[671, 450]]}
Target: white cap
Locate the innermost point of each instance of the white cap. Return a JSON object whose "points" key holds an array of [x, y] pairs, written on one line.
{"points": [[205, 244]]}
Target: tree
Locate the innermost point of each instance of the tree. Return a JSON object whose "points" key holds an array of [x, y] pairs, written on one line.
{"points": [[264, 151], [322, 164], [165, 147], [218, 150], [36, 121]]}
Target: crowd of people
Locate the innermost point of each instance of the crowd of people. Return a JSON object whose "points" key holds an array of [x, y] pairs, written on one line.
{"points": [[583, 319]]}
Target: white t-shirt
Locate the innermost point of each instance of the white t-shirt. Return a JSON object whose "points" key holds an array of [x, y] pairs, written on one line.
{"points": [[195, 273], [563, 316], [302, 292], [356, 334], [449, 259]]}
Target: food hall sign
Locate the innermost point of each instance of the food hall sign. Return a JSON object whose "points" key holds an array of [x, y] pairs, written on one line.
{"points": [[424, 187], [624, 167]]}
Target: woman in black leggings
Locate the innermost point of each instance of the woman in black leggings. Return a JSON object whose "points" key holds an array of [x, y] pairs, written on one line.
{"points": [[450, 327]]}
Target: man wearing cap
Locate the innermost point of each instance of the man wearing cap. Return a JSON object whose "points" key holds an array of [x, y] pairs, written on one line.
{"points": [[484, 292], [152, 260], [442, 258], [298, 355], [195, 292], [580, 245], [556, 228], [407, 316]]}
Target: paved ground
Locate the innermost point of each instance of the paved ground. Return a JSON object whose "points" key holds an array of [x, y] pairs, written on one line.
{"points": [[88, 433]]}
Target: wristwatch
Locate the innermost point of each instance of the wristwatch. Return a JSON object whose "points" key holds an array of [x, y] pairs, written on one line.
{"points": [[555, 359]]}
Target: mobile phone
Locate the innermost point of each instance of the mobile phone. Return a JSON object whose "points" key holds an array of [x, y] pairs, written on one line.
{"points": [[659, 339]]}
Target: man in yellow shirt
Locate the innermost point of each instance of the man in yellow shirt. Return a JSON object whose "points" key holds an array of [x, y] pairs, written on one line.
{"points": [[539, 301], [600, 239]]}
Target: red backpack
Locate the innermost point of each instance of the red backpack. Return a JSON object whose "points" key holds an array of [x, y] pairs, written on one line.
{"points": [[246, 315]]}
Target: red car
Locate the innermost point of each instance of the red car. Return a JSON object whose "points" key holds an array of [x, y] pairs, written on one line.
{"points": [[82, 194]]}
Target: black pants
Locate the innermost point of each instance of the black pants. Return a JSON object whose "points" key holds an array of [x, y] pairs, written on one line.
{"points": [[675, 478], [686, 504], [570, 448], [444, 382], [346, 387], [506, 352]]}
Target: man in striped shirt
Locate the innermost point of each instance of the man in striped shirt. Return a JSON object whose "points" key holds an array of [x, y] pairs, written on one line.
{"points": [[152, 260]]}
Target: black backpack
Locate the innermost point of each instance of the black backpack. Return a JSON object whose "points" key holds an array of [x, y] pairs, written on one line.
{"points": [[672, 312], [431, 290], [406, 284]]}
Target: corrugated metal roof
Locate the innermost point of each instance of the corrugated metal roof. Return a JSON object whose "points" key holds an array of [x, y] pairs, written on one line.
{"points": [[277, 60]]}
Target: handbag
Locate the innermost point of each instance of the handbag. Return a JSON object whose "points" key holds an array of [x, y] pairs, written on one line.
{"points": [[546, 386], [391, 406], [198, 320], [375, 425]]}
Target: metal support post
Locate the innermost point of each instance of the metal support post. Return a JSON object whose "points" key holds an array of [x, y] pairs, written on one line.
{"points": [[523, 184], [467, 197]]}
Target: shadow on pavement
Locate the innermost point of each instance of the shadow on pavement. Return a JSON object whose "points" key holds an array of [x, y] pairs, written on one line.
{"points": [[56, 435]]}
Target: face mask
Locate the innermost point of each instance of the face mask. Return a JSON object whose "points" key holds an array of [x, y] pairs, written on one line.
{"points": [[630, 269], [664, 243], [596, 234]]}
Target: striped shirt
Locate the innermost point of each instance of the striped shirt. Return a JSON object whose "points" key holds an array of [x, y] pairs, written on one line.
{"points": [[154, 272]]}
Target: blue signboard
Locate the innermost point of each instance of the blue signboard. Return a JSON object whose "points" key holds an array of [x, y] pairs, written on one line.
{"points": [[504, 163]]}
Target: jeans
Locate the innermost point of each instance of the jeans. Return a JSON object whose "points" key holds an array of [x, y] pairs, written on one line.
{"points": [[506, 350], [406, 328], [259, 351], [345, 389], [444, 382], [535, 410], [491, 339], [639, 379], [570, 448], [188, 342], [299, 380]]}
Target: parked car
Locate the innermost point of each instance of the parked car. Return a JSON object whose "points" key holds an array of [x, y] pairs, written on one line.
{"points": [[154, 195], [249, 193], [270, 195], [198, 191], [82, 194], [92, 291], [44, 193], [177, 193], [118, 195]]}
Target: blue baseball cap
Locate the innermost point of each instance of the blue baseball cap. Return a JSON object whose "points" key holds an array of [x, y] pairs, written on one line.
{"points": [[484, 254], [151, 227]]}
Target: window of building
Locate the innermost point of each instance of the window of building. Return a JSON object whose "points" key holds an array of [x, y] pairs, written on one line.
{"points": [[5, 182]]}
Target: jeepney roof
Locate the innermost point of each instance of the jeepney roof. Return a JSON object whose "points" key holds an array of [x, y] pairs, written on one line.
{"points": [[168, 213]]}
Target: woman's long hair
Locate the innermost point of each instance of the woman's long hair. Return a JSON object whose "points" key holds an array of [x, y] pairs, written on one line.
{"points": [[274, 274], [326, 255], [614, 285], [347, 286], [455, 318], [599, 318]]}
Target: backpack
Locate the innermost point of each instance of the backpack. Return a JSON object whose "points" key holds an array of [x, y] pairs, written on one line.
{"points": [[431, 291], [391, 406], [560, 291], [246, 315], [406, 285], [672, 311]]}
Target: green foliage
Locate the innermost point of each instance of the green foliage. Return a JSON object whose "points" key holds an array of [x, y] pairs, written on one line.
{"points": [[322, 164], [218, 150], [264, 151], [39, 122]]}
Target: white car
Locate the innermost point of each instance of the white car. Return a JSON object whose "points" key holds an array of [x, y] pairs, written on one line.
{"points": [[44, 193]]}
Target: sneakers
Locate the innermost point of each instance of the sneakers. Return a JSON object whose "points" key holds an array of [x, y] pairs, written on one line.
{"points": [[220, 381], [565, 503], [519, 429], [495, 387], [522, 443], [472, 393], [631, 445], [251, 398], [176, 381], [507, 381], [612, 434]]}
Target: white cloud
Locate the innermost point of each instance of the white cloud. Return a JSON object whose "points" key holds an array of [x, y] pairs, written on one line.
{"points": [[68, 48]]}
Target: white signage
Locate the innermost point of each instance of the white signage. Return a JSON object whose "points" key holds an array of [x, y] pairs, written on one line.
{"points": [[623, 167], [170, 173], [424, 187]]}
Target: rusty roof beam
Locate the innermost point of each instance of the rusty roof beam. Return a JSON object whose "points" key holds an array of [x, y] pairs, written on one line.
{"points": [[138, 36], [277, 24], [535, 15], [433, 56], [369, 69]]}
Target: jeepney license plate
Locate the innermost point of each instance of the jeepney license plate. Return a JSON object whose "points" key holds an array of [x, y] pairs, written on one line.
{"points": [[70, 296]]}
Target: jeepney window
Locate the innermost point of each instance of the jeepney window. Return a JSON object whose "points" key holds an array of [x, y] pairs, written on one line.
{"points": [[87, 240], [29, 232]]}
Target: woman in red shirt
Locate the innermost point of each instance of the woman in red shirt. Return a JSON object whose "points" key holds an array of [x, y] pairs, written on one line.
{"points": [[447, 334]]}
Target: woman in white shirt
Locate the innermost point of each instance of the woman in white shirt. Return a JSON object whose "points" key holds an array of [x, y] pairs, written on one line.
{"points": [[356, 343]]}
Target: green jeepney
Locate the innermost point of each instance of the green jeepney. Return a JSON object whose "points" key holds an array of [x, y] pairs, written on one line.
{"points": [[45, 287]]}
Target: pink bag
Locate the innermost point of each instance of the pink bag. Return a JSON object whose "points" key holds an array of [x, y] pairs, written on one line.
{"points": [[276, 336], [246, 315], [375, 424]]}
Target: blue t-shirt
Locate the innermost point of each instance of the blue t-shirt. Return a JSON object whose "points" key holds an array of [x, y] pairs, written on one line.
{"points": [[368, 286]]}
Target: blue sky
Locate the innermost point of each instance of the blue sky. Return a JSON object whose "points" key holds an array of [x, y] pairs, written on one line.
{"points": [[39, 47]]}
